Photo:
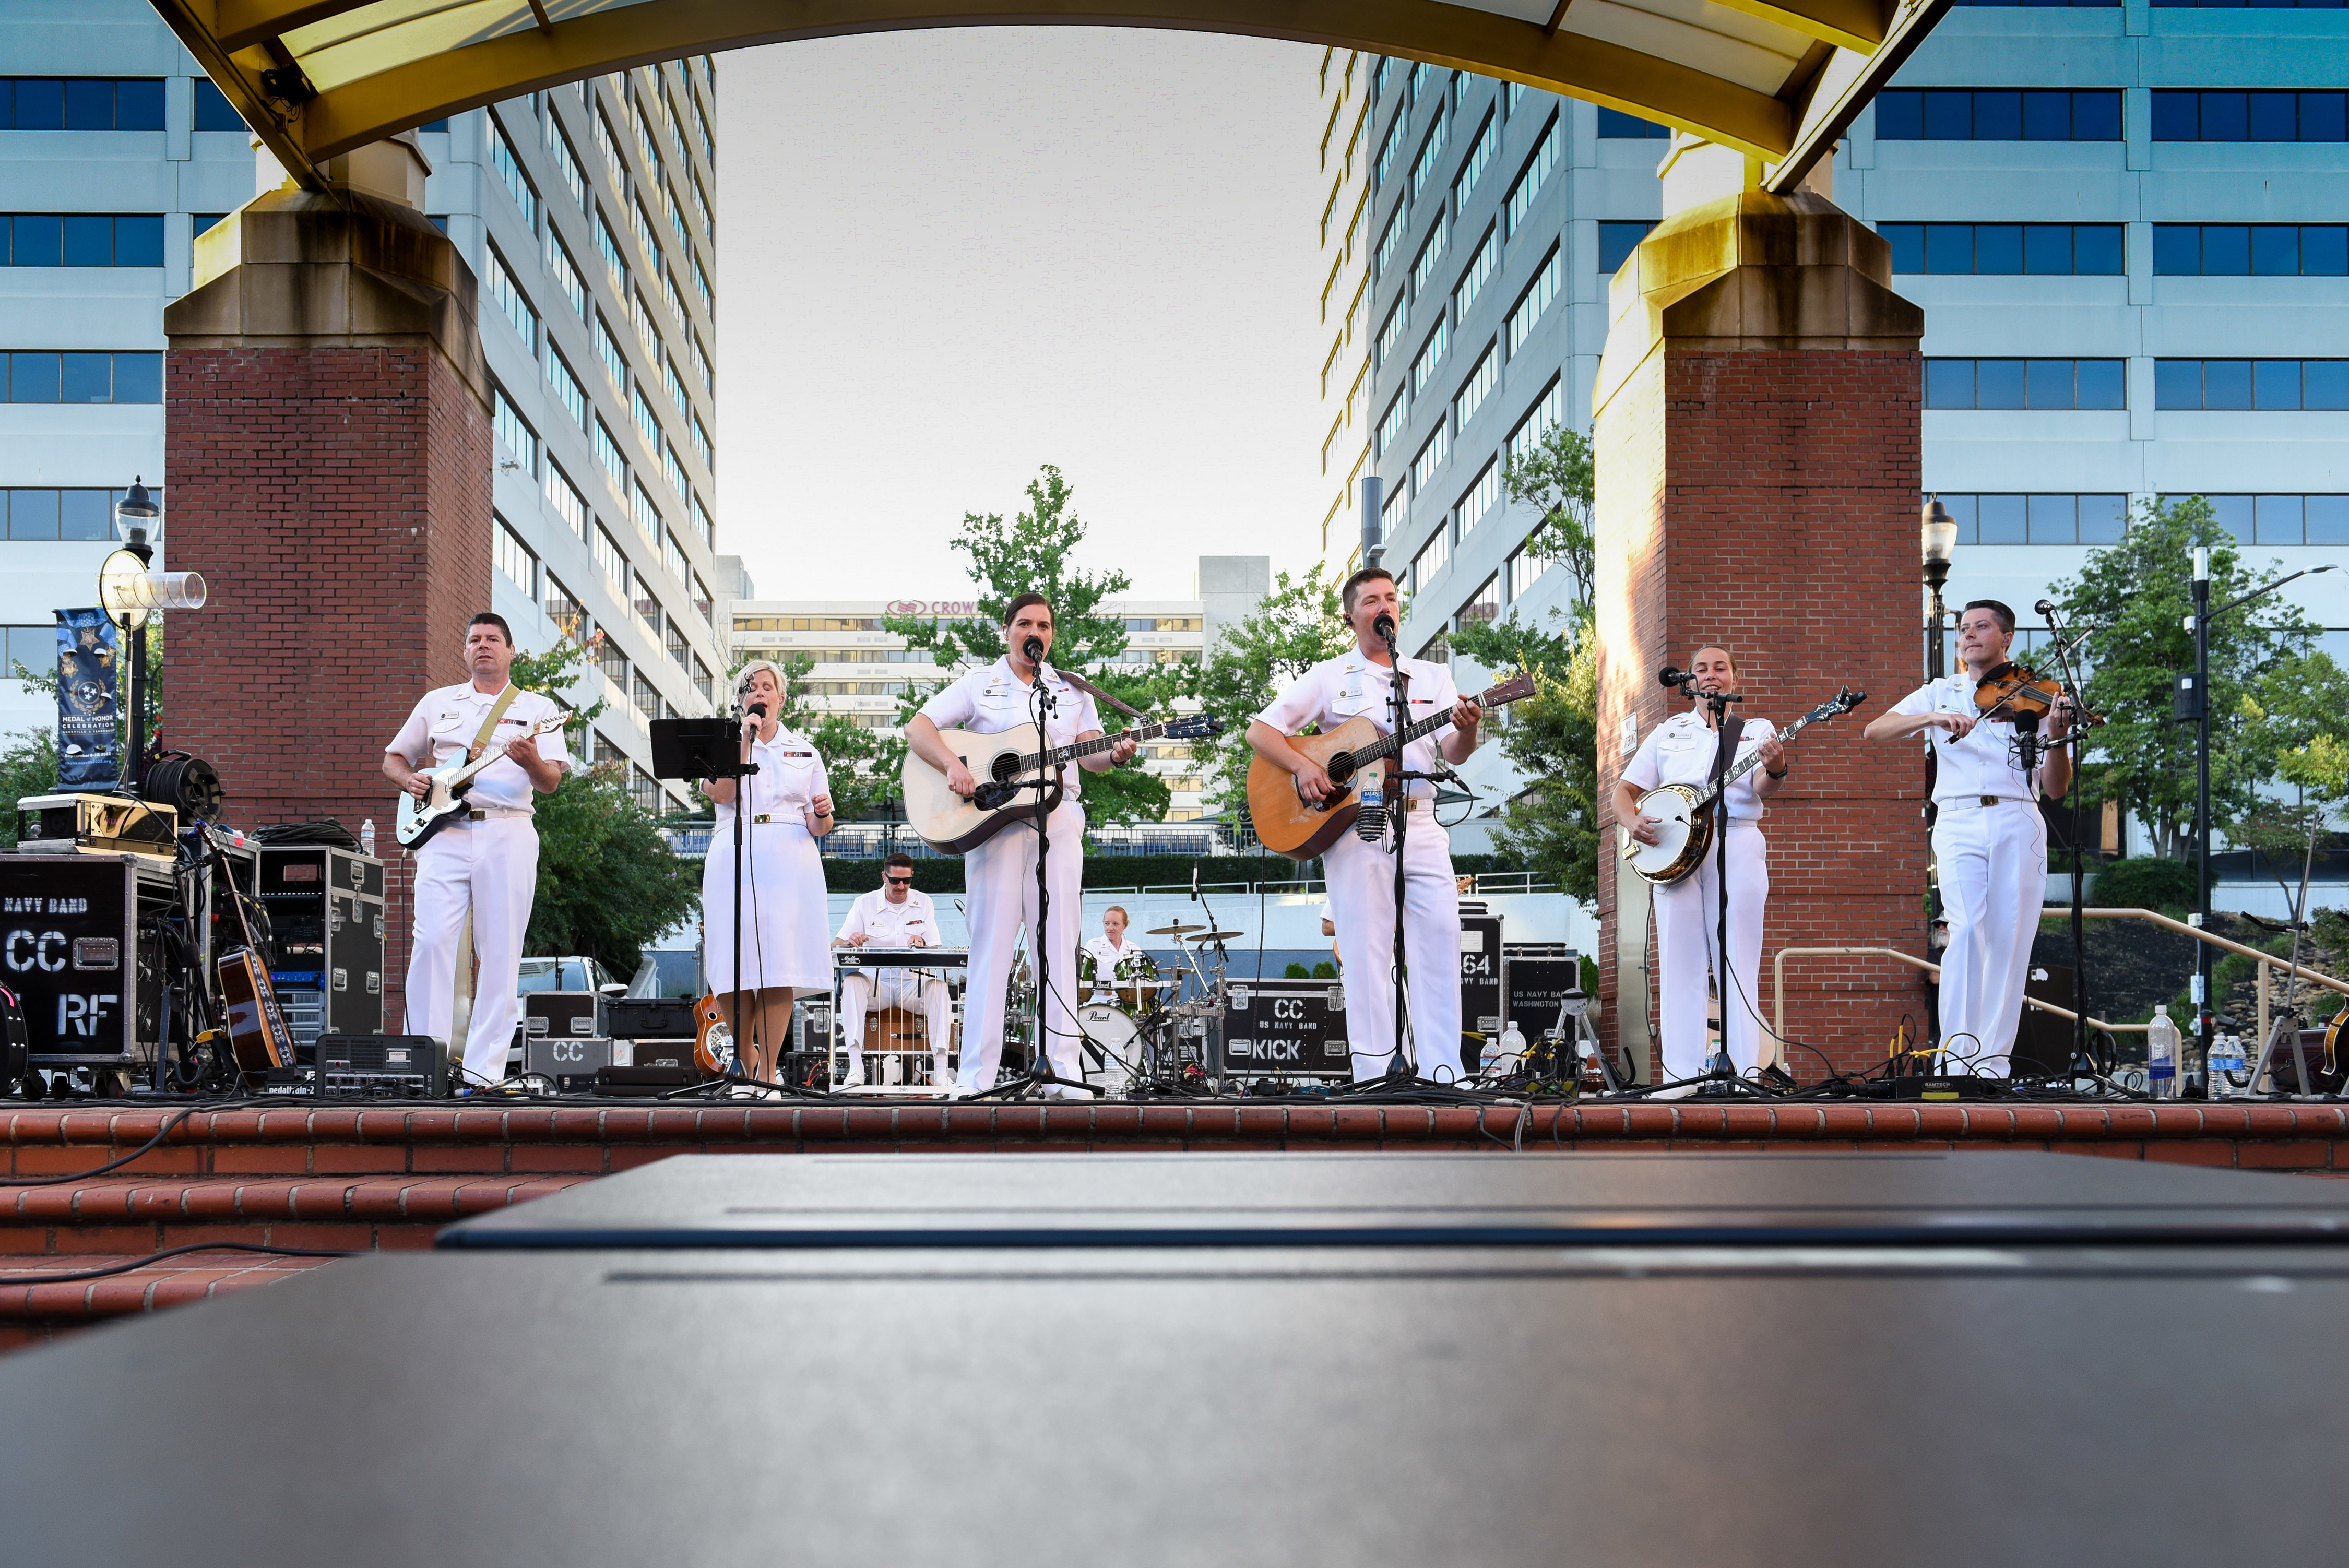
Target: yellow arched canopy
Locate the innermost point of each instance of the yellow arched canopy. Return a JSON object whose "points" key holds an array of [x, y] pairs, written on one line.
{"points": [[1777, 80]]}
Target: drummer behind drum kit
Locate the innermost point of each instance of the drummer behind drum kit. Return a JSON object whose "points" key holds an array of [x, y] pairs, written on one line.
{"points": [[1143, 1031]]}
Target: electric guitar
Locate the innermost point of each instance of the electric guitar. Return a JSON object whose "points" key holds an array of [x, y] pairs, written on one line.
{"points": [[1018, 780], [420, 819], [1286, 822], [1684, 834]]}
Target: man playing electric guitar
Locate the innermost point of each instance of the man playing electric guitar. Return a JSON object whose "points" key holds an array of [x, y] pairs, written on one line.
{"points": [[999, 875], [487, 861], [1362, 872]]}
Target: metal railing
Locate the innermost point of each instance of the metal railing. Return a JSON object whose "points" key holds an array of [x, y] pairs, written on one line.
{"points": [[2267, 961]]}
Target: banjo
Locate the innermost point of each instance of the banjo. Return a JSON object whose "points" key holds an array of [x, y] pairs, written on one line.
{"points": [[1685, 830]]}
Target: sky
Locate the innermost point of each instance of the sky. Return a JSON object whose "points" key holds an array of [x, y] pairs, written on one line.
{"points": [[947, 258]]}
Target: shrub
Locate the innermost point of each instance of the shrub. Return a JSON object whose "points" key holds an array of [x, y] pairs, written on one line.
{"points": [[1296, 971], [2146, 882]]}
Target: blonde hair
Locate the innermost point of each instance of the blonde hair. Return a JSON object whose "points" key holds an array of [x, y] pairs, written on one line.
{"points": [[742, 680]]}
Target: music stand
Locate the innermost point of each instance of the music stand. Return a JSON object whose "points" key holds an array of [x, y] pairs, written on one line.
{"points": [[696, 749]]}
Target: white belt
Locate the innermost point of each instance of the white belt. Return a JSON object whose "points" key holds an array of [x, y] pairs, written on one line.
{"points": [[1980, 802]]}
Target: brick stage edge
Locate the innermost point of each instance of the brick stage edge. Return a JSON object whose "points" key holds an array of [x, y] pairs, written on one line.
{"points": [[361, 1180]]}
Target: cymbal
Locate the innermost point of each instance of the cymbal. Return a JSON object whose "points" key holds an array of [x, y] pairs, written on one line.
{"points": [[1209, 936], [1177, 929]]}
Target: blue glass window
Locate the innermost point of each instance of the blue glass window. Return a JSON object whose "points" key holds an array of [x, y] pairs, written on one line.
{"points": [[2276, 383], [1998, 114], [2234, 514], [2226, 383], [39, 239], [212, 109], [1616, 244], [2226, 250], [40, 105], [138, 240], [2231, 115], [2177, 249], [85, 514], [2047, 248], [89, 239], [32, 377], [2324, 249], [2102, 384], [2025, 384], [88, 378], [1999, 384], [1949, 248], [2004, 520], [2324, 383], [1948, 383], [2327, 519], [1614, 125]]}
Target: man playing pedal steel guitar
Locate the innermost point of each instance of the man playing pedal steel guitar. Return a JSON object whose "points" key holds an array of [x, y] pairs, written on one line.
{"points": [[1000, 874], [894, 916], [1361, 872], [488, 862]]}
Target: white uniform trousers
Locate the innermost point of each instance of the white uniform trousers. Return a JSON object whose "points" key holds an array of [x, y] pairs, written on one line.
{"points": [[1361, 902], [999, 881], [1686, 913], [898, 988], [492, 868], [1992, 865]]}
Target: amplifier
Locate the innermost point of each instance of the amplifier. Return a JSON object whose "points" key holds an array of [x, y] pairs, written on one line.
{"points": [[1286, 1028], [643, 1083], [1535, 977], [82, 946], [1480, 982], [652, 1018], [670, 1053], [570, 1065], [565, 1015], [412, 1064], [105, 823], [325, 917]]}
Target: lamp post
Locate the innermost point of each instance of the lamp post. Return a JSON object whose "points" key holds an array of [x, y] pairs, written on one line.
{"points": [[1940, 537], [129, 592], [2196, 704]]}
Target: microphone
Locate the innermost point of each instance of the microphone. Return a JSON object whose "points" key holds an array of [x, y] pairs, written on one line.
{"points": [[1032, 650], [1673, 676], [2045, 607], [1384, 626], [1195, 883], [757, 710]]}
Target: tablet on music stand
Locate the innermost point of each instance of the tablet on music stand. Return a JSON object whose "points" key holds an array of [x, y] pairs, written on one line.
{"points": [[698, 748]]}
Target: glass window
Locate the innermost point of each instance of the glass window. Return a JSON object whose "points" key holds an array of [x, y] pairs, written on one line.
{"points": [[2003, 520], [2327, 519], [1997, 248], [88, 240], [2276, 383], [2226, 383], [1948, 383], [2096, 250], [85, 514], [2324, 116], [2323, 250], [2054, 518], [138, 240], [2324, 383], [2047, 248], [33, 376], [2104, 519], [2226, 117], [1908, 243], [31, 514], [1962, 511], [40, 104], [2177, 249], [2234, 515], [1615, 124], [2102, 384], [2276, 520], [1900, 115], [2177, 117], [1999, 384], [2177, 384], [39, 239], [88, 378], [2097, 116], [139, 377], [89, 103], [214, 111], [1617, 241], [2226, 250], [1949, 114], [2046, 117], [2276, 250], [2273, 117], [2048, 384]]}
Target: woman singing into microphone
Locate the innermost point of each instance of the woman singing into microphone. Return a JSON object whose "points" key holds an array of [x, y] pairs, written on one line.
{"points": [[786, 932]]}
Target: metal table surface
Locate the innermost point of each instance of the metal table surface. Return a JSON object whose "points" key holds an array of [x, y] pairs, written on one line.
{"points": [[1183, 1406], [1370, 1200]]}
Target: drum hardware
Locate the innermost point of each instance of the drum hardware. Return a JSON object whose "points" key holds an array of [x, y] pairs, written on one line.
{"points": [[1180, 928]]}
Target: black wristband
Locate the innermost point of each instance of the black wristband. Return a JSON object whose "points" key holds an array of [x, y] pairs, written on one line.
{"points": [[1781, 773]]}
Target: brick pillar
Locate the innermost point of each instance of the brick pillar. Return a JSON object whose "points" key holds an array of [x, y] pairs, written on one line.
{"points": [[328, 450], [1757, 438]]}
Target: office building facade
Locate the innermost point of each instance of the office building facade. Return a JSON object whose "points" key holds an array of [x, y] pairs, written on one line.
{"points": [[2126, 223], [587, 215]]}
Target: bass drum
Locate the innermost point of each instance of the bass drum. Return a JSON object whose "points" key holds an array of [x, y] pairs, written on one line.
{"points": [[1111, 1047]]}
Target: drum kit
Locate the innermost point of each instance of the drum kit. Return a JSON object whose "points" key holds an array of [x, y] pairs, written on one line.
{"points": [[1143, 1031]]}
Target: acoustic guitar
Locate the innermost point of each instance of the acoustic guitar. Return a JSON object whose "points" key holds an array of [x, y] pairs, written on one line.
{"points": [[1018, 778], [1288, 823], [257, 1032], [1684, 832]]}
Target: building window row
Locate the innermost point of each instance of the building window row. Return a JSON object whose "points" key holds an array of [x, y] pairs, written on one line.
{"points": [[1617, 241], [1998, 114], [2251, 383], [81, 238], [515, 557], [2003, 249], [82, 103], [1614, 125], [2205, 115], [41, 514], [2039, 518], [1548, 282], [2283, 519], [65, 375], [2025, 384], [1538, 164], [2251, 250]]}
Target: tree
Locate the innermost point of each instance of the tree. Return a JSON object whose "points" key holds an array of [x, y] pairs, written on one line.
{"points": [[2135, 595], [607, 881], [1560, 477], [1552, 738], [1032, 554], [28, 766], [1291, 629]]}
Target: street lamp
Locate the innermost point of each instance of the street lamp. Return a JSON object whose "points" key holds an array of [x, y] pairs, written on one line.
{"points": [[1940, 537], [2193, 701], [129, 592]]}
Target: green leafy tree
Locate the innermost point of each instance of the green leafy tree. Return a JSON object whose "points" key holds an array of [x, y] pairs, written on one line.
{"points": [[1291, 629], [2136, 594], [1551, 826], [2285, 831], [1559, 477], [607, 881], [28, 766], [1033, 553]]}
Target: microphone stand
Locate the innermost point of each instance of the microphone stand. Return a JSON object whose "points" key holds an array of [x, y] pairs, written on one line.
{"points": [[1725, 1073], [1399, 814], [2085, 1056]]}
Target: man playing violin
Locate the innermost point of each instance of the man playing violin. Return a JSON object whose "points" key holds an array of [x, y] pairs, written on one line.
{"points": [[1989, 842]]}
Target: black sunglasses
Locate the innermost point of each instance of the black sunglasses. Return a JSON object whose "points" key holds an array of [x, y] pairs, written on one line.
{"points": [[901, 881]]}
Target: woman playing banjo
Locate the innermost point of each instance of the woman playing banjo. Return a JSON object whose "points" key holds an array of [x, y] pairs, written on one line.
{"points": [[1682, 750]]}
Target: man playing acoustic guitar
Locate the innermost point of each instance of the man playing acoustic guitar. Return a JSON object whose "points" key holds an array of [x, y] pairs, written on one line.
{"points": [[1360, 872]]}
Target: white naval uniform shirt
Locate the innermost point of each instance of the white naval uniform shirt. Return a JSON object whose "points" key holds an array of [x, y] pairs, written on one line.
{"points": [[1348, 685], [1983, 763], [444, 723], [1681, 751], [886, 924], [790, 776], [991, 700]]}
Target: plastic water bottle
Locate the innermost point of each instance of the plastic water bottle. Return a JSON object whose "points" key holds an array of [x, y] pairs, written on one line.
{"points": [[2226, 1057], [2161, 1053], [1371, 818], [367, 838], [1513, 1049]]}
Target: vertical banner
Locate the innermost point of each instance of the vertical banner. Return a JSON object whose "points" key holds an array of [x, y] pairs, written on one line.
{"points": [[88, 658]]}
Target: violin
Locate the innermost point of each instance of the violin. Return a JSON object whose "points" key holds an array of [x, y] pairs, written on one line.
{"points": [[2021, 695]]}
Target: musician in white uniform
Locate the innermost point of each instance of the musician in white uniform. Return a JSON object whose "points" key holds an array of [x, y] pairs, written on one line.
{"points": [[786, 921], [1989, 842], [486, 860], [1109, 949], [1682, 750], [893, 915], [1000, 876], [1361, 872]]}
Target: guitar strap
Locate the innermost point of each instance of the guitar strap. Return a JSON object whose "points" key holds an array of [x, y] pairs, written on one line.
{"points": [[490, 724], [1096, 693]]}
